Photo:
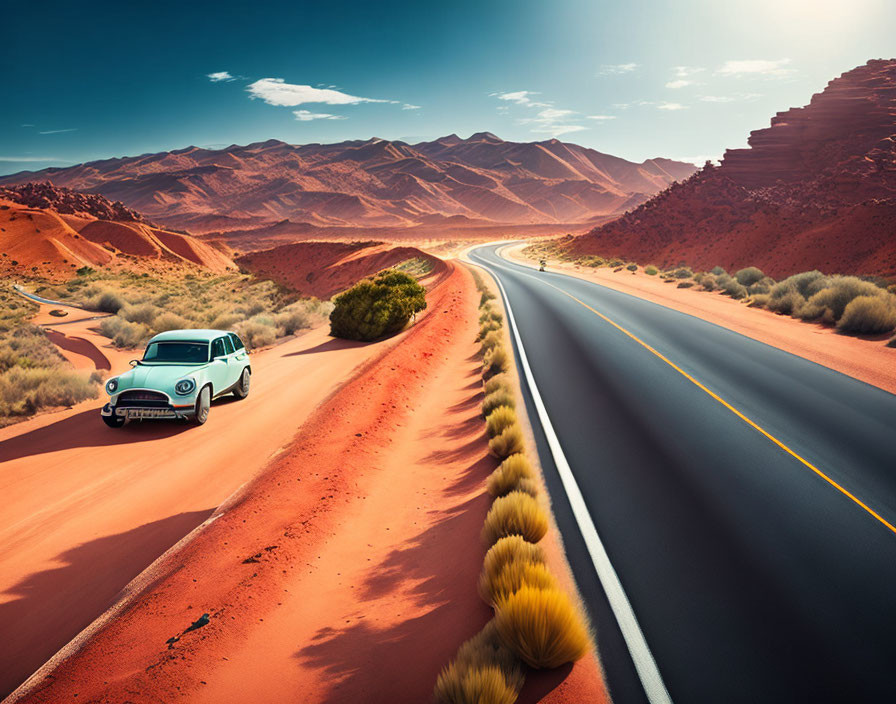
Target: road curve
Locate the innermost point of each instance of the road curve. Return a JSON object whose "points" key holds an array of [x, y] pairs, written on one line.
{"points": [[753, 577]]}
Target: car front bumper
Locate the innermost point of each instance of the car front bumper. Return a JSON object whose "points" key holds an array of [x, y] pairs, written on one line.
{"points": [[154, 413]]}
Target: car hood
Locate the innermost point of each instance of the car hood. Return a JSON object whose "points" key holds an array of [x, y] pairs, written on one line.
{"points": [[156, 376]]}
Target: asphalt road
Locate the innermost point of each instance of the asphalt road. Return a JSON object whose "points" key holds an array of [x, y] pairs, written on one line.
{"points": [[753, 579]]}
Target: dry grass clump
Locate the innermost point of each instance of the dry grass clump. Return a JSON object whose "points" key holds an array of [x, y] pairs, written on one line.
{"points": [[650, 270], [25, 391], [496, 399], [491, 340], [484, 671], [542, 626], [490, 311], [529, 485], [486, 327], [511, 578], [749, 276], [499, 381], [510, 549], [509, 442], [124, 333], [515, 514], [499, 420], [495, 361], [869, 315], [507, 476]]}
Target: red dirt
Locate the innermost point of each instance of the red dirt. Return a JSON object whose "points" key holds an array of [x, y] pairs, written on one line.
{"points": [[870, 361], [323, 269], [326, 578]]}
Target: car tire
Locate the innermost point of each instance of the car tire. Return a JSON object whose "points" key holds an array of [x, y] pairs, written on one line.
{"points": [[203, 404], [242, 388], [114, 421]]}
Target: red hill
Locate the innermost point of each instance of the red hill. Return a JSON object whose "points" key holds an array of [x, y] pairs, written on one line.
{"points": [[816, 189]]}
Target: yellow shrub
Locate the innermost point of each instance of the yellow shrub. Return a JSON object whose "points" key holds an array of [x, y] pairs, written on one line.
{"points": [[499, 381], [486, 327], [508, 475], [484, 671], [507, 443], [492, 339], [542, 626], [499, 420], [529, 485], [496, 360], [496, 398], [515, 514], [513, 548], [513, 576]]}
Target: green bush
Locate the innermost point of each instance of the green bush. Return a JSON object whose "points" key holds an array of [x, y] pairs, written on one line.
{"points": [[683, 273], [377, 307], [869, 315], [650, 270], [632, 267], [717, 271], [748, 276], [830, 302]]}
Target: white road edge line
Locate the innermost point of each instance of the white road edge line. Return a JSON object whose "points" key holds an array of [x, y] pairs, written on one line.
{"points": [[643, 659]]}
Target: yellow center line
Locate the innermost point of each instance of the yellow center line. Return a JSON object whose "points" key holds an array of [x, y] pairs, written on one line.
{"points": [[852, 497]]}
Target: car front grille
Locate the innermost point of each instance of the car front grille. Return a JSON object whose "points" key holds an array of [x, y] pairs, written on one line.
{"points": [[142, 399]]}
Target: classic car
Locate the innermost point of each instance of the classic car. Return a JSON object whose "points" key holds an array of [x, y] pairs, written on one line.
{"points": [[180, 373]]}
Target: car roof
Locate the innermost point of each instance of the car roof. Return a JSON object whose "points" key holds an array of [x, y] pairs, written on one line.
{"points": [[189, 335]]}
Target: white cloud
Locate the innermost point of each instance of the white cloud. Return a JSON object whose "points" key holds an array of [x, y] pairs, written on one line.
{"points": [[275, 91], [698, 160], [729, 98], [685, 71], [680, 83], [616, 69], [520, 97], [557, 130], [671, 106], [755, 67], [306, 116], [601, 117], [70, 129], [408, 106], [553, 121], [28, 125], [219, 76]]}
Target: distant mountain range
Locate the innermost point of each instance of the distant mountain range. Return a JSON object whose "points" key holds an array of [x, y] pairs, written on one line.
{"points": [[816, 189], [477, 182]]}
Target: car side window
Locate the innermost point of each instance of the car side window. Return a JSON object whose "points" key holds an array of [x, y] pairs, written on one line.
{"points": [[237, 342], [228, 345], [218, 348]]}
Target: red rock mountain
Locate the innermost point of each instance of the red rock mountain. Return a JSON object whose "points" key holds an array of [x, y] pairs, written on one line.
{"points": [[48, 231], [481, 181], [816, 189]]}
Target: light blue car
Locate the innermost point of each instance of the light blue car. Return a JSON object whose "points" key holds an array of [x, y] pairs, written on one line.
{"points": [[179, 375]]}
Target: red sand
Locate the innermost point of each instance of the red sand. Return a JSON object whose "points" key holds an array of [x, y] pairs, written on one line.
{"points": [[870, 361], [346, 570], [86, 508]]}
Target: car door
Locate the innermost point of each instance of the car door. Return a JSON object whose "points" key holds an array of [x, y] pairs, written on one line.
{"points": [[219, 367], [233, 367]]}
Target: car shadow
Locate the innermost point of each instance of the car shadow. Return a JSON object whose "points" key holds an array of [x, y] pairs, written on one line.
{"points": [[46, 609], [86, 429]]}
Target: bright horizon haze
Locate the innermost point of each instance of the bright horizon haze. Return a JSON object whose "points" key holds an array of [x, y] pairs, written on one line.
{"points": [[682, 80]]}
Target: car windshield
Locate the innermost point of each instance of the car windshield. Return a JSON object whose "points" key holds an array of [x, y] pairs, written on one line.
{"points": [[183, 352]]}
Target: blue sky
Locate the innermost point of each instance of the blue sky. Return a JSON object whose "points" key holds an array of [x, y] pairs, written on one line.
{"points": [[682, 79]]}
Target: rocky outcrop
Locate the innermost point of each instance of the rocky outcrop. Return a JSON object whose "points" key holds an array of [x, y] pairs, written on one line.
{"points": [[46, 196], [816, 189]]}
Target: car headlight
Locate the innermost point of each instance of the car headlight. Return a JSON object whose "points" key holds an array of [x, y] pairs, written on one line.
{"points": [[184, 386], [112, 386]]}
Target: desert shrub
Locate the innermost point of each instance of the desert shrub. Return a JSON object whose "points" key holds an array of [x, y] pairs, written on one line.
{"points": [[708, 282], [760, 300], [170, 321], [484, 671], [492, 339], [376, 307], [730, 287], [748, 276], [496, 399], [650, 270], [124, 333], [225, 321], [805, 284], [495, 361], [490, 312], [542, 626], [27, 347], [698, 277], [632, 267], [507, 476], [107, 302], [683, 273], [295, 317], [499, 381], [485, 297], [507, 443], [830, 302], [717, 271], [143, 313], [685, 284], [256, 332], [513, 548], [486, 327], [499, 420], [764, 285], [869, 315], [512, 577], [517, 513], [788, 303], [24, 391], [529, 485]]}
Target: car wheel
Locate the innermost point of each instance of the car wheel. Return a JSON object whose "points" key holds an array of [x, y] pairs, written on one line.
{"points": [[114, 421], [242, 388], [203, 404]]}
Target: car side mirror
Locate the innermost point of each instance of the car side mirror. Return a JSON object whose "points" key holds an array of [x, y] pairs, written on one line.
{"points": [[133, 362]]}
